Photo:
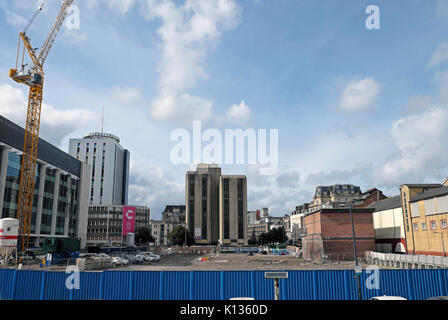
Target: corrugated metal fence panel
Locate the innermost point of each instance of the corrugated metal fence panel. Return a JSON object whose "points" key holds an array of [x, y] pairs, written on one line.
{"points": [[434, 280], [330, 284], [28, 285], [175, 285], [263, 288], [116, 285], [6, 283], [146, 285], [299, 286], [217, 285], [205, 285], [236, 284], [89, 286], [54, 286]]}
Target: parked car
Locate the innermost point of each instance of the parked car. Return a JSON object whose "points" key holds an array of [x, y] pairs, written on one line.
{"points": [[388, 298], [132, 259], [155, 257], [145, 257], [116, 261], [438, 298]]}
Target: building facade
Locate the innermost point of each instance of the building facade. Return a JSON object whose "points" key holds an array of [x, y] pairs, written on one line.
{"points": [[233, 210], [60, 192], [174, 214], [335, 194], [389, 226], [409, 192], [105, 224], [429, 217], [109, 175], [215, 205], [202, 203], [328, 234]]}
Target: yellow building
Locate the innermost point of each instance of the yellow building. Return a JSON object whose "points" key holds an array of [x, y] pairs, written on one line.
{"points": [[425, 212]]}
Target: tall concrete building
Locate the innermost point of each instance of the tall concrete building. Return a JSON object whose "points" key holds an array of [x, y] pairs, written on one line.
{"points": [[202, 203], [110, 167], [61, 192], [216, 206], [233, 210]]}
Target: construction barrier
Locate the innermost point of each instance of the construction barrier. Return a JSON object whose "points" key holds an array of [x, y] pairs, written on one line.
{"points": [[219, 285]]}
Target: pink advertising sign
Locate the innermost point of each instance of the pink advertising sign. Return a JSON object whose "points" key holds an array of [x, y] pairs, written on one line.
{"points": [[128, 220]]}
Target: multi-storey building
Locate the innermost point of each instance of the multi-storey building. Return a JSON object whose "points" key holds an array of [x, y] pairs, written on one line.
{"points": [[110, 167], [202, 203], [232, 210], [215, 205], [174, 214], [408, 192], [60, 192], [428, 222], [335, 194], [105, 223]]}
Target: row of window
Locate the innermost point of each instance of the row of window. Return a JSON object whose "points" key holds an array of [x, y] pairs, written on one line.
{"points": [[432, 225]]}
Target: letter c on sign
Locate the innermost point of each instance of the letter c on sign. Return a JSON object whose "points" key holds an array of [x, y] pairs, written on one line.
{"points": [[127, 214]]}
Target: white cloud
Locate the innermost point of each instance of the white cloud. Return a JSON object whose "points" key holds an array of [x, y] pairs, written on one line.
{"points": [[55, 123], [439, 56], [289, 179], [126, 95], [122, 6], [420, 141], [239, 113], [154, 186], [360, 95], [188, 32]]}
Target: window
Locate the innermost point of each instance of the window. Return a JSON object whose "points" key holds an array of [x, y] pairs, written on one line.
{"points": [[423, 226], [415, 226], [443, 224], [433, 225]]}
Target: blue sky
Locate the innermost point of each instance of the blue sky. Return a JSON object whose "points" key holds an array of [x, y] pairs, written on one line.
{"points": [[352, 105]]}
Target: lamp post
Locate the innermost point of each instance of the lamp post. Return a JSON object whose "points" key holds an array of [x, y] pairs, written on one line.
{"points": [[355, 252]]}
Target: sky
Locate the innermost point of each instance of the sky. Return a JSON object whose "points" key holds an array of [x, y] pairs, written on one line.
{"points": [[352, 105]]}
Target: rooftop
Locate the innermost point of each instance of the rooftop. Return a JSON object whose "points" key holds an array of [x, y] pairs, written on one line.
{"points": [[386, 204], [438, 192], [101, 135]]}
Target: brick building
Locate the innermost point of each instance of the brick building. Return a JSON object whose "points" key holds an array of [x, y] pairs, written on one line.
{"points": [[328, 234]]}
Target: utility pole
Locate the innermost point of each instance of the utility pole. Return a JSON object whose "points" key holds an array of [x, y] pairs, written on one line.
{"points": [[355, 252]]}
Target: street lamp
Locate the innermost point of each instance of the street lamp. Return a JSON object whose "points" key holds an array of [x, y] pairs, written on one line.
{"points": [[443, 242], [358, 280]]}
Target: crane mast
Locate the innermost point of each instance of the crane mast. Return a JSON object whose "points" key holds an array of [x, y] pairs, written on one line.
{"points": [[34, 78]]}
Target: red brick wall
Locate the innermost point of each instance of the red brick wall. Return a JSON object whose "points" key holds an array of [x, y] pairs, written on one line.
{"points": [[329, 234], [338, 224]]}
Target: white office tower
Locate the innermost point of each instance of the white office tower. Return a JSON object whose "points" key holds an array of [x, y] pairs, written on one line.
{"points": [[110, 167]]}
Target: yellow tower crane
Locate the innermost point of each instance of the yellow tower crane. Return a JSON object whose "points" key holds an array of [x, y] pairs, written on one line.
{"points": [[33, 76]]}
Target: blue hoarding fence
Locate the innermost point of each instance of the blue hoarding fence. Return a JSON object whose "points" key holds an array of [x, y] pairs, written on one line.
{"points": [[219, 285]]}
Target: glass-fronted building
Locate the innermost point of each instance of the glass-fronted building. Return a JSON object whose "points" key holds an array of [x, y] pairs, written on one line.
{"points": [[60, 204]]}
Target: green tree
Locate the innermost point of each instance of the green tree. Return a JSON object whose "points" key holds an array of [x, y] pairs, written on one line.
{"points": [[143, 236], [177, 236]]}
